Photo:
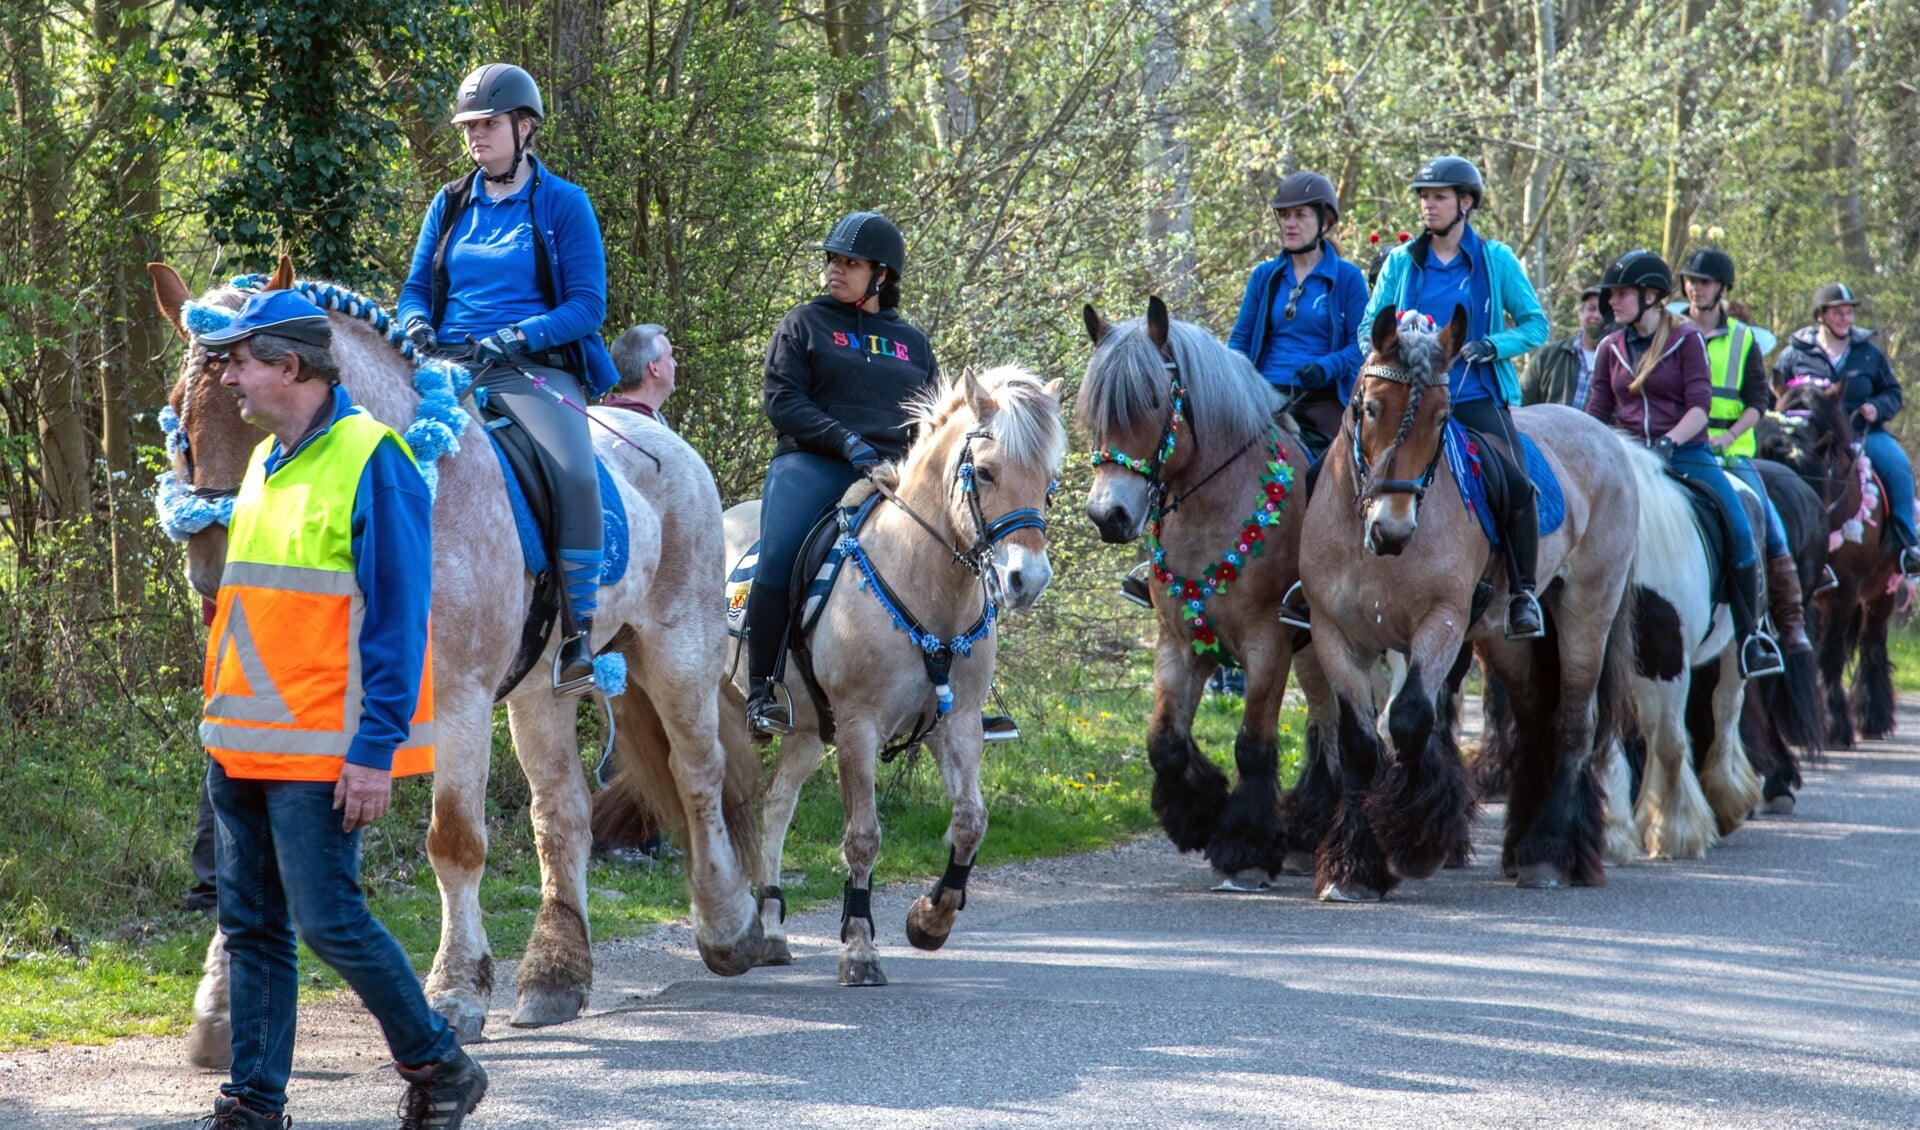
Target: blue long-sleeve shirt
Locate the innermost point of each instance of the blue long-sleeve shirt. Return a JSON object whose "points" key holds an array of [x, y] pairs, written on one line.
{"points": [[575, 253], [1345, 297], [393, 565]]}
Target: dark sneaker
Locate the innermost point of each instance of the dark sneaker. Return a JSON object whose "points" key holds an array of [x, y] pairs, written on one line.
{"points": [[1133, 586], [1293, 608], [441, 1095], [1523, 617], [228, 1114], [999, 728], [1760, 657]]}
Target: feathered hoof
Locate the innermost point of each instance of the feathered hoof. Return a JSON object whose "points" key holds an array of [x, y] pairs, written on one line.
{"points": [[1350, 892], [1460, 856], [925, 928], [1251, 881], [1297, 862], [541, 1008], [1781, 805], [1544, 877], [1417, 864], [210, 1043], [774, 951], [861, 972], [466, 1016]]}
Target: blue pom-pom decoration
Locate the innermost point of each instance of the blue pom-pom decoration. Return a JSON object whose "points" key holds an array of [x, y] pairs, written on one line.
{"points": [[202, 318], [610, 673]]}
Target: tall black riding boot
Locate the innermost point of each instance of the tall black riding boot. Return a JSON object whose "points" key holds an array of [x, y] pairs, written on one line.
{"points": [[1759, 654], [1293, 606], [1524, 620], [766, 639], [573, 666]]}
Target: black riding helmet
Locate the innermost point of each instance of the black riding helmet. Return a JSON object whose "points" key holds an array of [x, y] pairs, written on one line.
{"points": [[497, 88], [1638, 269], [1451, 172], [1308, 188], [869, 236], [1709, 263], [1833, 294]]}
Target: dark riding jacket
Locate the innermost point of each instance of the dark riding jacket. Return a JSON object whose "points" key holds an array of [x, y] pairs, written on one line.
{"points": [[1682, 379], [834, 371], [1868, 375]]}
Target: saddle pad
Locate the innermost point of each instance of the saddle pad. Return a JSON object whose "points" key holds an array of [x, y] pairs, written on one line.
{"points": [[529, 524], [820, 561], [1463, 457]]}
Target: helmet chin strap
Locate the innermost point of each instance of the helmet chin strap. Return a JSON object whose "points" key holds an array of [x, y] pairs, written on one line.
{"points": [[513, 170], [1459, 217]]}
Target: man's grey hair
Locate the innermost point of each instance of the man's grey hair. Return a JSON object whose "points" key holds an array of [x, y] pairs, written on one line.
{"points": [[634, 350], [316, 361]]}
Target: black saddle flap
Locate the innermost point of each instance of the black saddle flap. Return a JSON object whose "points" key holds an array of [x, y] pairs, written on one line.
{"points": [[1716, 533], [532, 468]]}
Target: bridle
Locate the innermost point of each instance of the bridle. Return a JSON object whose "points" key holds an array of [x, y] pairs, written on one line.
{"points": [[178, 443], [976, 558], [1365, 487], [1150, 468]]}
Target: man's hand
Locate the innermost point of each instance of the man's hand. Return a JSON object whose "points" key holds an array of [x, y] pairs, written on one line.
{"points": [[364, 793]]}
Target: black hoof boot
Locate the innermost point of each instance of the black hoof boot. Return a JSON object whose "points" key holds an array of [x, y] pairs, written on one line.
{"points": [[1524, 621], [573, 664]]}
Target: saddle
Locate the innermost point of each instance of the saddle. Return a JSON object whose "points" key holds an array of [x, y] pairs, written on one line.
{"points": [[1715, 530], [1485, 480], [815, 570], [528, 469]]}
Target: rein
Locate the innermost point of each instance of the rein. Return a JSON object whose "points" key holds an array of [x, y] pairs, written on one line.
{"points": [[1365, 486]]}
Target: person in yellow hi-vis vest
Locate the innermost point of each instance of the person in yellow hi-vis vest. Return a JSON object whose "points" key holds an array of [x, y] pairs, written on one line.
{"points": [[318, 692], [1741, 394]]}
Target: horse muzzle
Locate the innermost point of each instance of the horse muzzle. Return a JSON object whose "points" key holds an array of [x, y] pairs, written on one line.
{"points": [[1390, 525], [1023, 576]]}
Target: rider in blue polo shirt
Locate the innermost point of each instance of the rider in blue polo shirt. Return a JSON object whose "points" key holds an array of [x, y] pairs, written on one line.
{"points": [[1449, 265]]}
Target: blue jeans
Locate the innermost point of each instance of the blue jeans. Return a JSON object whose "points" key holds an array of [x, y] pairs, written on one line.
{"points": [[1696, 463], [283, 861], [1890, 462], [1776, 532]]}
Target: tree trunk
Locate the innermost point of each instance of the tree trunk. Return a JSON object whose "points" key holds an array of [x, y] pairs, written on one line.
{"points": [[1682, 189], [1849, 218], [949, 100], [1166, 171], [860, 29]]}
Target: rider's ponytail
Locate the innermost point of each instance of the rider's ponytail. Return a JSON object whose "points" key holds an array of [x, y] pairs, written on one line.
{"points": [[1661, 335]]}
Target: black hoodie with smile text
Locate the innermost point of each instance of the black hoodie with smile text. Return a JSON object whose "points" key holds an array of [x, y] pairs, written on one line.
{"points": [[835, 371]]}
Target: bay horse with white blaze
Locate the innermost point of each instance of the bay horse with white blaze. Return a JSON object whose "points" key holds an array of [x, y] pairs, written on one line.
{"points": [[906, 639], [658, 617], [1384, 573], [1192, 448]]}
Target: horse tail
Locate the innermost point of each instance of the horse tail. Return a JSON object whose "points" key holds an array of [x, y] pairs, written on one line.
{"points": [[643, 755], [1799, 714]]}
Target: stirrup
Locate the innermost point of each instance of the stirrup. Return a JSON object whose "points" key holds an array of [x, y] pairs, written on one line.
{"points": [[1910, 563], [1133, 586], [580, 684], [999, 728], [1828, 581], [766, 717], [1531, 606], [1293, 609], [1767, 662]]}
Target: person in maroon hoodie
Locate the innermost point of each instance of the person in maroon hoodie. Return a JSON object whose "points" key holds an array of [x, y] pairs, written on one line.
{"points": [[1653, 381]]}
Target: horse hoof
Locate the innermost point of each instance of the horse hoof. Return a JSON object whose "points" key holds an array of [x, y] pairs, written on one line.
{"points": [[467, 1018], [1781, 805], [1543, 877], [1297, 863], [924, 939], [775, 952], [210, 1045], [927, 927], [1460, 856], [540, 1008], [860, 972], [1248, 882], [1415, 867], [1351, 892], [733, 960]]}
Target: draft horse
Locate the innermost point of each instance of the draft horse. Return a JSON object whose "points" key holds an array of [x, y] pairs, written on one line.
{"points": [[658, 617], [1192, 449], [1852, 612], [1385, 574], [906, 639]]}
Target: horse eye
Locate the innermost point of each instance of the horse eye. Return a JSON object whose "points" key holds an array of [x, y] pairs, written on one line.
{"points": [[983, 475], [1373, 409]]}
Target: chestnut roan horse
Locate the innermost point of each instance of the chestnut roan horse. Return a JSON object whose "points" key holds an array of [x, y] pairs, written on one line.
{"points": [[658, 616], [1383, 573], [1191, 449]]}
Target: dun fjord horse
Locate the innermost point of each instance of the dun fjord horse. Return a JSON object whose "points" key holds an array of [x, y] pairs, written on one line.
{"points": [[1385, 573], [659, 616], [1192, 449], [958, 537], [1851, 617]]}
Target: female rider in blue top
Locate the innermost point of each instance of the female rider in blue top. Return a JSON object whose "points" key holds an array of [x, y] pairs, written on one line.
{"points": [[1449, 265], [510, 276]]}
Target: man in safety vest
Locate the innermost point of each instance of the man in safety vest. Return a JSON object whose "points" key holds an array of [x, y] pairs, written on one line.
{"points": [[318, 692], [1741, 394]]}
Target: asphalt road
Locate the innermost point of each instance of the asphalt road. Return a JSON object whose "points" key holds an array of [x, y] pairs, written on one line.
{"points": [[1774, 984]]}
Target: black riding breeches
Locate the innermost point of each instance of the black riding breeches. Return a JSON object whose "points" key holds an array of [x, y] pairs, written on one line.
{"points": [[801, 487], [562, 431]]}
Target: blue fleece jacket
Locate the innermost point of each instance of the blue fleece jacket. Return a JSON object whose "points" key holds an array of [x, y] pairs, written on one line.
{"points": [[1346, 291], [1509, 294], [393, 565], [575, 252]]}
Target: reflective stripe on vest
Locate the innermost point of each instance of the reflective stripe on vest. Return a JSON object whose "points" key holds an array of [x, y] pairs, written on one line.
{"points": [[1727, 358], [282, 677]]}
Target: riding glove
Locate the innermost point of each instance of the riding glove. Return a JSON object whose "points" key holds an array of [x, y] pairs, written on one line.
{"points": [[420, 333], [1663, 447], [499, 345], [860, 453], [1311, 375], [1475, 352]]}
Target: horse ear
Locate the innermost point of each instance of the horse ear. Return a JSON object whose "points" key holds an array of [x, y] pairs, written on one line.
{"points": [[1385, 329], [283, 275], [1158, 323], [978, 398], [1053, 388], [1455, 335], [170, 294], [1097, 327]]}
